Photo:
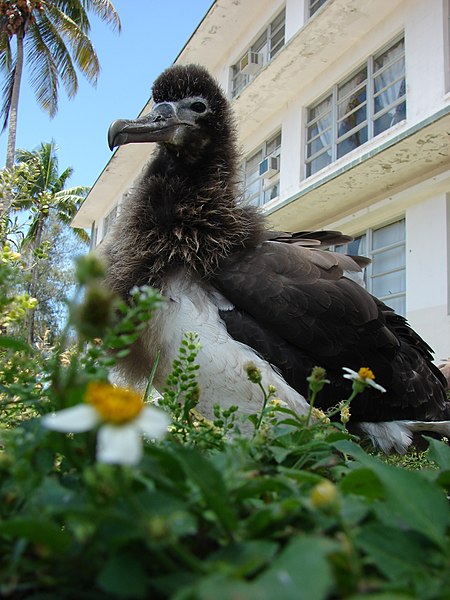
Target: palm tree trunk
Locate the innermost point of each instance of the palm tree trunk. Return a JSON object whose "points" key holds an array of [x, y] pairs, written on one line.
{"points": [[12, 120], [12, 125], [34, 281]]}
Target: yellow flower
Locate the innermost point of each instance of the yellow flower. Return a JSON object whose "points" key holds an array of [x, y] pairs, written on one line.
{"points": [[366, 373], [362, 379], [122, 418]]}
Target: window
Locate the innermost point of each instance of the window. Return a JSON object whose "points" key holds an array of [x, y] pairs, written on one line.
{"points": [[259, 54], [314, 6], [262, 186], [109, 220], [385, 277], [359, 108]]}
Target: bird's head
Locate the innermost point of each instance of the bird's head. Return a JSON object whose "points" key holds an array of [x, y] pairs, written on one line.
{"points": [[190, 111]]}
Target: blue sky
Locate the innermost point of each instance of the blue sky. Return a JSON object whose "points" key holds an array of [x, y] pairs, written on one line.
{"points": [[153, 33]]}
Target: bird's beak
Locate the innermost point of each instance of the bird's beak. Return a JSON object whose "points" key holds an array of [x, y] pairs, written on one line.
{"points": [[160, 125]]}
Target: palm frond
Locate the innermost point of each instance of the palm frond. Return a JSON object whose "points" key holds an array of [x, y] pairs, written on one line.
{"points": [[105, 11], [75, 11], [7, 91], [42, 66], [82, 235], [6, 56], [83, 52]]}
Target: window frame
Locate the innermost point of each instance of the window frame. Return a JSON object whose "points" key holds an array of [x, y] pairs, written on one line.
{"points": [[240, 80], [370, 252], [314, 5], [109, 219], [266, 151], [337, 100]]}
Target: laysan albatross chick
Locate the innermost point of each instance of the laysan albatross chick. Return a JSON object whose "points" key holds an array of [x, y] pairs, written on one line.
{"points": [[184, 230]]}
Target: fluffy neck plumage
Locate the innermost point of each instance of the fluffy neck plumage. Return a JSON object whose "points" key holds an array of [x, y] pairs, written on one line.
{"points": [[181, 214]]}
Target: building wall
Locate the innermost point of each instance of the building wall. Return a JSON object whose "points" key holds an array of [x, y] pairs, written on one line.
{"points": [[427, 268]]}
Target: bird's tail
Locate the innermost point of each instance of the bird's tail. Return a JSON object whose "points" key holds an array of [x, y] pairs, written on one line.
{"points": [[397, 436]]}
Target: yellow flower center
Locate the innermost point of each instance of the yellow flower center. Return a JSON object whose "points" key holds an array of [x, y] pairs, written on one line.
{"points": [[366, 373], [114, 404]]}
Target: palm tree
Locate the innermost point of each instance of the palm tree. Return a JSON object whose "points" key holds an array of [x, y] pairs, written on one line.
{"points": [[47, 198], [52, 35]]}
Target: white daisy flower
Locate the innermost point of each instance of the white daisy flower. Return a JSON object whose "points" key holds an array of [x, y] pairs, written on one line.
{"points": [[362, 378], [122, 418]]}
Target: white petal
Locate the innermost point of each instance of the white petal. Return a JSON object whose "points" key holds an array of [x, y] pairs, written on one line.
{"points": [[153, 422], [351, 373], [375, 385], [119, 444], [348, 376], [75, 419]]}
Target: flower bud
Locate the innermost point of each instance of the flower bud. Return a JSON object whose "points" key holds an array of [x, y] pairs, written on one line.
{"points": [[253, 373], [323, 495]]}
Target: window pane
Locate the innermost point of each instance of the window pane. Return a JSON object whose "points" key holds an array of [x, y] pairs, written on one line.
{"points": [[398, 304], [314, 5], [389, 55], [320, 109], [353, 120], [319, 143], [352, 142], [358, 108], [385, 236], [260, 43], [318, 163], [272, 192], [389, 260], [273, 144], [276, 42], [391, 283], [353, 85]]}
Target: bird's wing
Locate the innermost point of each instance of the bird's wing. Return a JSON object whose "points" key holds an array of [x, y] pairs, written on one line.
{"points": [[294, 307], [302, 295]]}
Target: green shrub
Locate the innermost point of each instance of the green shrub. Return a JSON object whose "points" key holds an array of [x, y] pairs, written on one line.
{"points": [[296, 510]]}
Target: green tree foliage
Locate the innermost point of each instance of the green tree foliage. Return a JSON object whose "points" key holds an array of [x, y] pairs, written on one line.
{"points": [[51, 208]]}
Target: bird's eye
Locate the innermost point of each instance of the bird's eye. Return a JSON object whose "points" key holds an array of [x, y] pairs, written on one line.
{"points": [[198, 107]]}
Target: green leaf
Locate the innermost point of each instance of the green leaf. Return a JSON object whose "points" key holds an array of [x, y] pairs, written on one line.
{"points": [[211, 484], [409, 496], [123, 577], [301, 572], [244, 558], [37, 530], [362, 482], [382, 596], [439, 452], [401, 559], [14, 344]]}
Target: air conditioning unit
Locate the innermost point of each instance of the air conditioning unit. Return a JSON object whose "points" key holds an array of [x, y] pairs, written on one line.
{"points": [[269, 167], [250, 63]]}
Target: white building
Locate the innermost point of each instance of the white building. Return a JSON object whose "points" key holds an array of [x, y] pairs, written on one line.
{"points": [[349, 102]]}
